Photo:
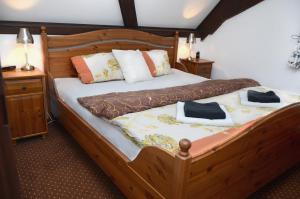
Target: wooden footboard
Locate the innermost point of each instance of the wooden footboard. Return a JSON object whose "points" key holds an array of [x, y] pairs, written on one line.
{"points": [[234, 170], [247, 163]]}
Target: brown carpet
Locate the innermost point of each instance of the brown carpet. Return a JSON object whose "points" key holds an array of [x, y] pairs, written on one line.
{"points": [[56, 167]]}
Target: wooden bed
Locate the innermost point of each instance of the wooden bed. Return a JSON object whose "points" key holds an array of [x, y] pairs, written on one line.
{"points": [[233, 170]]}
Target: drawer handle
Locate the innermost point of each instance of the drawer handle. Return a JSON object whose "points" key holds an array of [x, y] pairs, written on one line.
{"points": [[24, 88]]}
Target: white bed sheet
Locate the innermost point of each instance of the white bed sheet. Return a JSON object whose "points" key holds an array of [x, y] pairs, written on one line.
{"points": [[69, 89]]}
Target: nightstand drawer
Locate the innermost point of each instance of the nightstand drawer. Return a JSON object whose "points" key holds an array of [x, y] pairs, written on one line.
{"points": [[14, 87], [203, 69], [200, 67]]}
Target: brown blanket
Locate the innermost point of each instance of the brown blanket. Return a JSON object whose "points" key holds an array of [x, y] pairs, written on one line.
{"points": [[112, 105]]}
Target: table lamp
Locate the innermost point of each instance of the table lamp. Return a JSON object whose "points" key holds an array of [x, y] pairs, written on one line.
{"points": [[191, 39], [24, 37]]}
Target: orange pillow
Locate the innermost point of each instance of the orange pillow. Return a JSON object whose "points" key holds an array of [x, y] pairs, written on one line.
{"points": [[158, 62], [150, 63], [83, 71]]}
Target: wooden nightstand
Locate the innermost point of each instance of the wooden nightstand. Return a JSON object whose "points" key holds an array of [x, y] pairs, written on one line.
{"points": [[200, 67], [25, 103]]}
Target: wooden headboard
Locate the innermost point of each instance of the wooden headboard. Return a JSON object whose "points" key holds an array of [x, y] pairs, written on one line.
{"points": [[58, 50]]}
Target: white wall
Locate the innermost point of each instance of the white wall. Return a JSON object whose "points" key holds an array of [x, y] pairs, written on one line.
{"points": [[13, 54], [257, 44]]}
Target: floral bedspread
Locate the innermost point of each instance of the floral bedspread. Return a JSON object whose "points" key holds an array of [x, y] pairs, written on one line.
{"points": [[158, 126]]}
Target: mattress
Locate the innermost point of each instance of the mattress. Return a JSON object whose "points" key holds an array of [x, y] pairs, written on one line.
{"points": [[69, 89]]}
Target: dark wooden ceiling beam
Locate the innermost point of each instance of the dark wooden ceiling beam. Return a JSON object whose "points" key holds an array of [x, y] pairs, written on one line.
{"points": [[128, 13], [224, 10], [12, 27]]}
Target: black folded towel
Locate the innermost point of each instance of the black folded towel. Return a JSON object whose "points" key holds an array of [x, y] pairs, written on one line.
{"points": [[268, 97], [207, 111]]}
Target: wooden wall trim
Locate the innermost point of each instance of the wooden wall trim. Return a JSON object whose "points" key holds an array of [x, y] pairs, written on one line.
{"points": [[224, 10], [12, 27], [128, 13]]}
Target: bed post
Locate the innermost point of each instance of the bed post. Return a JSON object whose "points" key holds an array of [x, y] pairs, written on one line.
{"points": [[44, 39], [45, 48], [175, 47], [181, 170], [46, 65]]}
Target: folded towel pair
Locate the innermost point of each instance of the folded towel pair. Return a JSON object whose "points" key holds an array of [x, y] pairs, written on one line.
{"points": [[181, 117], [257, 99], [207, 111], [261, 97]]}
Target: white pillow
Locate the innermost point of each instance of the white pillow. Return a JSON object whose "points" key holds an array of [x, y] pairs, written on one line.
{"points": [[133, 65], [161, 62]]}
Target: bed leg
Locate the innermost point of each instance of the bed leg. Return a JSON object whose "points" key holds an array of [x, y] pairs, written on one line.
{"points": [[181, 170]]}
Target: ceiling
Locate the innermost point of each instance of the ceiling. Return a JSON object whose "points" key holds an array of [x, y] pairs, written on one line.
{"points": [[153, 13], [104, 12], [173, 13]]}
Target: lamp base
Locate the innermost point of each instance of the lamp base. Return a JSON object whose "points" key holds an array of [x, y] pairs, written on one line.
{"points": [[27, 67]]}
